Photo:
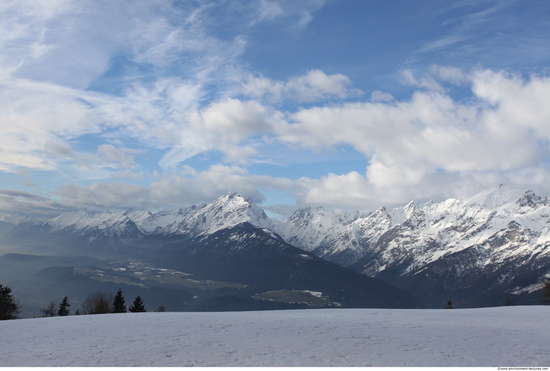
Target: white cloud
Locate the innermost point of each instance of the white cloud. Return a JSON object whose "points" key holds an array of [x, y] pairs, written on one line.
{"points": [[519, 105], [23, 30], [380, 96], [295, 14], [228, 123], [350, 190], [427, 82], [269, 10], [381, 175], [63, 42], [234, 119], [35, 116], [419, 148], [431, 136], [51, 54], [123, 156], [463, 27], [314, 86], [454, 75], [155, 114]]}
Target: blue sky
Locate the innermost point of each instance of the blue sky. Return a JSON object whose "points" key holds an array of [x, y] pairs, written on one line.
{"points": [[350, 104]]}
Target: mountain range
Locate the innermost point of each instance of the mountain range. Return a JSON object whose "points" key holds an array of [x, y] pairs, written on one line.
{"points": [[488, 250]]}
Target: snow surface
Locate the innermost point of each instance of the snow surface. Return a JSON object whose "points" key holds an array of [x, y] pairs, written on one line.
{"points": [[505, 336]]}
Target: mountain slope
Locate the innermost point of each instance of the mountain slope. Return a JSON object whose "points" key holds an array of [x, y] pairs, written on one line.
{"points": [[266, 264]]}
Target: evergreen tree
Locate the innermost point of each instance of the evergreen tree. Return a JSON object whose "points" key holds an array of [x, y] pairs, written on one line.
{"points": [[137, 305], [8, 306], [119, 304], [63, 307]]}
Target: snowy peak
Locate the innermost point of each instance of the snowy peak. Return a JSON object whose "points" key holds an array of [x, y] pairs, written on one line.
{"points": [[318, 217], [309, 227], [227, 211], [81, 219], [74, 219], [108, 224], [496, 197], [350, 242]]}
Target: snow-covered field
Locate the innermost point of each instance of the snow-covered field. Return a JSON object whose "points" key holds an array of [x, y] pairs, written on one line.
{"points": [[506, 336]]}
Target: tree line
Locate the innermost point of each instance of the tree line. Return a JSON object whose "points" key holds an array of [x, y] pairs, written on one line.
{"points": [[95, 303], [102, 303]]}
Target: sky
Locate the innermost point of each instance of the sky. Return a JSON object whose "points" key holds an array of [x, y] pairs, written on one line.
{"points": [[348, 104]]}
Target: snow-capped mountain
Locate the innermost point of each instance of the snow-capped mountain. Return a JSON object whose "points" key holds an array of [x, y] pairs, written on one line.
{"points": [[225, 212], [341, 238], [95, 225], [496, 239], [310, 227], [452, 225]]}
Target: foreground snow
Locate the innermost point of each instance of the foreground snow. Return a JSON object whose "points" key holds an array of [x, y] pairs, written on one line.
{"points": [[507, 336]]}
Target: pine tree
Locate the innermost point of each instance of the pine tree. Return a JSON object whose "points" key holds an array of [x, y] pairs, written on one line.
{"points": [[63, 307], [8, 306], [119, 304], [137, 305]]}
